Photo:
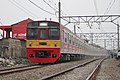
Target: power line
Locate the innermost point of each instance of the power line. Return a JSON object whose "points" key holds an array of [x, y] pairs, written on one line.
{"points": [[95, 4], [40, 7], [55, 9], [20, 8], [25, 8], [52, 2], [109, 6], [99, 24], [50, 6]]}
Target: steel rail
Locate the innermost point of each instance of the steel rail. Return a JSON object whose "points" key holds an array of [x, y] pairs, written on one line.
{"points": [[94, 73], [69, 69], [19, 69], [5, 69]]}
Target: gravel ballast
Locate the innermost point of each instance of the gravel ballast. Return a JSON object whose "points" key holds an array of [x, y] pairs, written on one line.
{"points": [[109, 70], [80, 73], [38, 73]]}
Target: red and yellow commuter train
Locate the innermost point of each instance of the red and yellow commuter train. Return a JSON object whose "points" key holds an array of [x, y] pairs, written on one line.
{"points": [[48, 42]]}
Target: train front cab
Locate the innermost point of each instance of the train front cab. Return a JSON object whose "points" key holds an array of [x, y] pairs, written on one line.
{"points": [[43, 42]]}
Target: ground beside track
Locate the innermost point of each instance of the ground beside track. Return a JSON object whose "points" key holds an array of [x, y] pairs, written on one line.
{"points": [[110, 70]]}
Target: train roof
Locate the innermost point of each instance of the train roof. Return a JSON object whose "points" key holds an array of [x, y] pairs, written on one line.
{"points": [[45, 21]]}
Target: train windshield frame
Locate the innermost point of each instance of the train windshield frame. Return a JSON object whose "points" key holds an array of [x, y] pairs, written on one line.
{"points": [[43, 31]]}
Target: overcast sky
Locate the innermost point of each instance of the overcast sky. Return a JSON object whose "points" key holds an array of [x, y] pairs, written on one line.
{"points": [[13, 11]]}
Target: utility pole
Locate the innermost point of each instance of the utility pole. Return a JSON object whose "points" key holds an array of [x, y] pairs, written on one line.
{"points": [[118, 35], [105, 43], [59, 5], [111, 44], [91, 38], [74, 29]]}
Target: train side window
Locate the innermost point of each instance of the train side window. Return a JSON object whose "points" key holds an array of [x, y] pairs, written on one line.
{"points": [[65, 37], [73, 42], [70, 39], [62, 35], [68, 36], [79, 45], [77, 42]]}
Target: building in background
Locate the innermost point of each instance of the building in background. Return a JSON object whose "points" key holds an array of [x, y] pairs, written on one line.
{"points": [[18, 30]]}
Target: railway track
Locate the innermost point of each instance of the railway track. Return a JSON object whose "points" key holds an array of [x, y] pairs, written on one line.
{"points": [[19, 69], [90, 77], [94, 73]]}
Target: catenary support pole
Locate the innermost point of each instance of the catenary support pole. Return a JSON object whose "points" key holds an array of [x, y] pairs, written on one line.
{"points": [[59, 11], [118, 35]]}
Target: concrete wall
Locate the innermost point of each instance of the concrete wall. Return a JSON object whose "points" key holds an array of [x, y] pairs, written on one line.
{"points": [[12, 48]]}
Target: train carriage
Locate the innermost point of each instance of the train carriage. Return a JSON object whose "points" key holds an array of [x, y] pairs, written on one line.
{"points": [[48, 42], [43, 41]]}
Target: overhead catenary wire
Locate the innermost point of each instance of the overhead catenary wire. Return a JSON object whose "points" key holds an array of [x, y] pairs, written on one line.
{"points": [[41, 7], [20, 8], [99, 24], [26, 9], [50, 5], [109, 6], [55, 9], [55, 5], [95, 4], [108, 9], [52, 2]]}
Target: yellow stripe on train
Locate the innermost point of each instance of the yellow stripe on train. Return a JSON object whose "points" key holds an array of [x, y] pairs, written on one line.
{"points": [[43, 43]]}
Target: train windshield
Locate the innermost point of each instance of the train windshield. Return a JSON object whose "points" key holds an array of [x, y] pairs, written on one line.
{"points": [[43, 30], [32, 33], [53, 33]]}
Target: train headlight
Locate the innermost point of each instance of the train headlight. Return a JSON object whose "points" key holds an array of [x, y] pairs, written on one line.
{"points": [[31, 55], [30, 43], [54, 55], [55, 43]]}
